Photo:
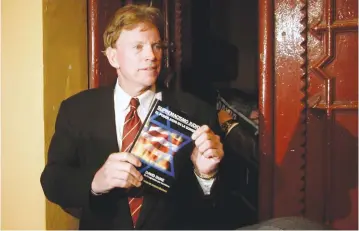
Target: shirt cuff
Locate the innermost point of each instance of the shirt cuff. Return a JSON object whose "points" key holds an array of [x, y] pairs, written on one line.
{"points": [[97, 194], [205, 184], [230, 128]]}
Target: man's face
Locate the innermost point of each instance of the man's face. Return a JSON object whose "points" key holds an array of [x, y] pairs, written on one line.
{"points": [[137, 57]]}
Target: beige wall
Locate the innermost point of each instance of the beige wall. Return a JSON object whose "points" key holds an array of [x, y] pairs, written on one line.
{"points": [[22, 115], [43, 60]]}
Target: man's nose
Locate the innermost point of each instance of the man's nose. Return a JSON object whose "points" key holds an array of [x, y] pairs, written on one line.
{"points": [[149, 53]]}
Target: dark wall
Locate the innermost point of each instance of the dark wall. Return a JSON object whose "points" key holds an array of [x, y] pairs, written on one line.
{"points": [[224, 45]]}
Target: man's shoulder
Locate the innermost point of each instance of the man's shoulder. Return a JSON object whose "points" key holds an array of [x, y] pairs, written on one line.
{"points": [[201, 111], [89, 95], [88, 101], [196, 108], [189, 98]]}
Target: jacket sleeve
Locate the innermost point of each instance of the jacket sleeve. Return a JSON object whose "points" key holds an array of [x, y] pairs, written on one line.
{"points": [[240, 142], [199, 211], [63, 180]]}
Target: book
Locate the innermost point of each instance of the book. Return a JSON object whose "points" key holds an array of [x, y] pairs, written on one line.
{"points": [[243, 120], [163, 145]]}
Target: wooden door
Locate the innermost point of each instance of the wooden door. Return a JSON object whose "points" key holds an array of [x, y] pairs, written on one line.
{"points": [[308, 89]]}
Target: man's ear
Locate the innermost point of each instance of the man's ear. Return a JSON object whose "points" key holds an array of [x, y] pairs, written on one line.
{"points": [[111, 56]]}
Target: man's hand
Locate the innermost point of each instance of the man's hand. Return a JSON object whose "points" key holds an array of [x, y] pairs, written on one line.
{"points": [[208, 151], [254, 116], [118, 171]]}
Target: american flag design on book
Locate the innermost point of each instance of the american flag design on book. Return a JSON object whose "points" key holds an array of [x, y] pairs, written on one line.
{"points": [[157, 146]]}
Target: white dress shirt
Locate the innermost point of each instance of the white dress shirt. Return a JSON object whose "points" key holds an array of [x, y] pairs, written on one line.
{"points": [[122, 102]]}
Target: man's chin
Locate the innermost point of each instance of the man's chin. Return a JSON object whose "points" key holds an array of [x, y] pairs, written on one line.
{"points": [[149, 81]]}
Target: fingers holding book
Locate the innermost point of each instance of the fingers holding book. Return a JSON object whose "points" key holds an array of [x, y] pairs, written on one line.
{"points": [[208, 143], [208, 152], [119, 171]]}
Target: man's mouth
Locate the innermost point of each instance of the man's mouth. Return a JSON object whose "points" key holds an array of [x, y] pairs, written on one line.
{"points": [[153, 68]]}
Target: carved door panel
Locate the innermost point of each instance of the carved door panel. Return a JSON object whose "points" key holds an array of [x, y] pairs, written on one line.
{"points": [[99, 13], [332, 125], [311, 162]]}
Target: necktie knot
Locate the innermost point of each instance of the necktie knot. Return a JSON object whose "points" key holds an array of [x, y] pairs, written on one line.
{"points": [[134, 103]]}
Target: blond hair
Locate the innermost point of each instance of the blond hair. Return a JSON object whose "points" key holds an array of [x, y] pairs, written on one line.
{"points": [[129, 17]]}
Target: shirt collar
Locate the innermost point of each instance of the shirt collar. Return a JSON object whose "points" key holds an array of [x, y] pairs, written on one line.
{"points": [[123, 98]]}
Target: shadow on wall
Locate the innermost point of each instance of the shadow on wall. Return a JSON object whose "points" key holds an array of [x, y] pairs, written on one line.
{"points": [[342, 198]]}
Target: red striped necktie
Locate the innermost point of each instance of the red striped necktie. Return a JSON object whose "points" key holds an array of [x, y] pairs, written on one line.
{"points": [[131, 126]]}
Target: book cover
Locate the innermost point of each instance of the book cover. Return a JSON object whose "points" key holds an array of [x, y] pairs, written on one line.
{"points": [[163, 145], [243, 120]]}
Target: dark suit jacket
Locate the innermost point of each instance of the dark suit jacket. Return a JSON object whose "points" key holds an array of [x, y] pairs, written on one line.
{"points": [[85, 134]]}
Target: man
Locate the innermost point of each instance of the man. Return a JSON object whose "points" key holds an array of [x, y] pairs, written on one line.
{"points": [[89, 166]]}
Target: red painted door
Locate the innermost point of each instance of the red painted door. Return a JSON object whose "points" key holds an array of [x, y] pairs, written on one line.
{"points": [[309, 102]]}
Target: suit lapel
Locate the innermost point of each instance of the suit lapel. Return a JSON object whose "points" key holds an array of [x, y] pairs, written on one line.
{"points": [[107, 127], [176, 101], [169, 98]]}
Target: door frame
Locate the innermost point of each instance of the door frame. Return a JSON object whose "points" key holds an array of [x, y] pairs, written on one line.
{"points": [[266, 108]]}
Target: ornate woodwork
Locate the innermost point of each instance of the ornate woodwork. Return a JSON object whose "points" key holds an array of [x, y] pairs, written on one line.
{"points": [[314, 112]]}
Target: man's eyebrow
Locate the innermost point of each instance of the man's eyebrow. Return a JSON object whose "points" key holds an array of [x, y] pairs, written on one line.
{"points": [[141, 42], [137, 42]]}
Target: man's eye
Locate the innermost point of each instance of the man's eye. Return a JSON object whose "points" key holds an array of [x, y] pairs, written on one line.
{"points": [[157, 46], [139, 47]]}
